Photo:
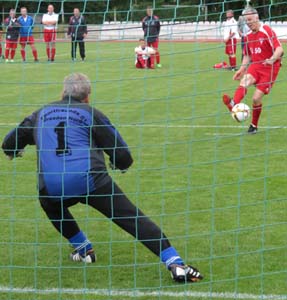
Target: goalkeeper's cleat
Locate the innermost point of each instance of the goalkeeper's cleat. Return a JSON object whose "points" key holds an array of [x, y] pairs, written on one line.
{"points": [[90, 257], [227, 101], [184, 273], [159, 65]]}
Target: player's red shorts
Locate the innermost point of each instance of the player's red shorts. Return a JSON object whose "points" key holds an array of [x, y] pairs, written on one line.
{"points": [[230, 47], [49, 35], [153, 44], [142, 63], [265, 76], [26, 40], [11, 44]]}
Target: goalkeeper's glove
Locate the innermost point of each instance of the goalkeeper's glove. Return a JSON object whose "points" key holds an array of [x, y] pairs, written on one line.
{"points": [[18, 153], [113, 167]]}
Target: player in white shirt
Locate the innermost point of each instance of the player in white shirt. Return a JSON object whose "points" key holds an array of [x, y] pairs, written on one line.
{"points": [[230, 35], [144, 56], [50, 21]]}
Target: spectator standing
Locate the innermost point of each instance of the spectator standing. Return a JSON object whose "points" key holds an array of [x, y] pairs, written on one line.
{"points": [[50, 21], [242, 31], [230, 38], [151, 28], [77, 30], [12, 35], [26, 34]]}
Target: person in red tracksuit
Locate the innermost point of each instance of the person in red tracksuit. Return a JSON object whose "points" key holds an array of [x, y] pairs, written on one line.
{"points": [[151, 28]]}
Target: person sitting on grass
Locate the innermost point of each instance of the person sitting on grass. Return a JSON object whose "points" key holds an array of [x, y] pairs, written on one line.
{"points": [[144, 56]]}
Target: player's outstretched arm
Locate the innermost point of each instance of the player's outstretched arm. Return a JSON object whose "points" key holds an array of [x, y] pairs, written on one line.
{"points": [[110, 141], [18, 138]]}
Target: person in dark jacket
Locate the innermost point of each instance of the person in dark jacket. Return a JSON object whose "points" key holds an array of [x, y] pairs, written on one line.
{"points": [[77, 30], [151, 28], [71, 138], [12, 35]]}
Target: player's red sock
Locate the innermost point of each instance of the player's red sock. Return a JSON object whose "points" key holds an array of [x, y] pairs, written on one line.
{"points": [[239, 94], [139, 65], [141, 62], [232, 61], [23, 54], [53, 53], [157, 57], [12, 53], [0, 50], [151, 62], [35, 54], [48, 52], [256, 114], [6, 53]]}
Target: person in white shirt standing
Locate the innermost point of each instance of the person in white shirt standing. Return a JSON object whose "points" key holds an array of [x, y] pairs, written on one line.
{"points": [[243, 29], [50, 21], [144, 56], [230, 38]]}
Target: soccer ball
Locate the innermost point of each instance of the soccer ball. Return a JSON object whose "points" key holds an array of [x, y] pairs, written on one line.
{"points": [[240, 112]]}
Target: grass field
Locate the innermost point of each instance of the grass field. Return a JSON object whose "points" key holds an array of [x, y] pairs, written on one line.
{"points": [[218, 193]]}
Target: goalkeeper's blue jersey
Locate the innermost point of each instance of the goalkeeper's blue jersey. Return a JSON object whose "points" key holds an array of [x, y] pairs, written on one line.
{"points": [[71, 138]]}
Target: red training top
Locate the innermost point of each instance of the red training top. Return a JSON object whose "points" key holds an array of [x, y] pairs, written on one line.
{"points": [[261, 45]]}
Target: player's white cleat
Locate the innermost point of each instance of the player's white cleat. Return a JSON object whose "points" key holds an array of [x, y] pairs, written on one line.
{"points": [[184, 273], [89, 258]]}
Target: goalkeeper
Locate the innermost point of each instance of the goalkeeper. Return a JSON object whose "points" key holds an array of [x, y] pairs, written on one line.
{"points": [[71, 138]]}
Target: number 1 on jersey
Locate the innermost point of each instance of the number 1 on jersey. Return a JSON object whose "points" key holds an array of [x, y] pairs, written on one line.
{"points": [[62, 148]]}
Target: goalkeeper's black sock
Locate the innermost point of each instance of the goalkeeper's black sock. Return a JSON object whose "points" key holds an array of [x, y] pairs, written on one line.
{"points": [[169, 256]]}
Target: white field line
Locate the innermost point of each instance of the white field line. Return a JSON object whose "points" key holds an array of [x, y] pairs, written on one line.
{"points": [[138, 293], [178, 126], [197, 126]]}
